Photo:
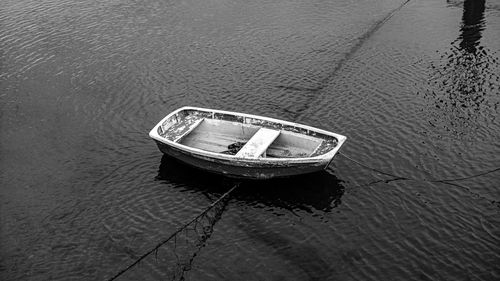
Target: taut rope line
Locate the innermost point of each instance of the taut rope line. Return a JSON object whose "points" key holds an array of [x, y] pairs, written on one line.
{"points": [[173, 235]]}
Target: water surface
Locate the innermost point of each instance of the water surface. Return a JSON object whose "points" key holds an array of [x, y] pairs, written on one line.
{"points": [[414, 85]]}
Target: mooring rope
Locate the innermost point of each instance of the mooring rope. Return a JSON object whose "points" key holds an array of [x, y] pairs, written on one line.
{"points": [[442, 181], [361, 40], [397, 177], [174, 235]]}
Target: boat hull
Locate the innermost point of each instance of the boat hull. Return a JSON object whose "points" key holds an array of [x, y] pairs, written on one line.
{"points": [[243, 169], [243, 145]]}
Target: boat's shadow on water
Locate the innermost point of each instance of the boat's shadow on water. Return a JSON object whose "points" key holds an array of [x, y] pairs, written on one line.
{"points": [[313, 193], [320, 191]]}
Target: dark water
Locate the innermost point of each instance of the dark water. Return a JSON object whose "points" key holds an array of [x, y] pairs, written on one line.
{"points": [[414, 86]]}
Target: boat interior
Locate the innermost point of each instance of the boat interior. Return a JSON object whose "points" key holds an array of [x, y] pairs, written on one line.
{"points": [[236, 137]]}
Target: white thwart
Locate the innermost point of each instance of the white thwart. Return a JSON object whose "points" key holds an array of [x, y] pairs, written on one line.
{"points": [[258, 144]]}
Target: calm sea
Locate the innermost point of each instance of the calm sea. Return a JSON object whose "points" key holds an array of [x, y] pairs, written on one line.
{"points": [[414, 85]]}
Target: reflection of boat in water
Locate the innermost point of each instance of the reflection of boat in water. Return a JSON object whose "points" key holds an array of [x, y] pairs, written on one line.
{"points": [[244, 145], [320, 191]]}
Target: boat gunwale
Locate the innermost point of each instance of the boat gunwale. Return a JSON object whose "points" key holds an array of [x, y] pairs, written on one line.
{"points": [[323, 157]]}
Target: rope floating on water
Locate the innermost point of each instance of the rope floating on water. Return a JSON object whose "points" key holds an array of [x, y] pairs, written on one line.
{"points": [[174, 235], [225, 195], [397, 177], [443, 181]]}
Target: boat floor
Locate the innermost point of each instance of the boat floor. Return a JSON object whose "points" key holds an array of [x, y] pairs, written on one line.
{"points": [[218, 135]]}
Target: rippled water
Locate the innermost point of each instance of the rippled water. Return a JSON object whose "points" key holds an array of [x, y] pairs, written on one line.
{"points": [[414, 85]]}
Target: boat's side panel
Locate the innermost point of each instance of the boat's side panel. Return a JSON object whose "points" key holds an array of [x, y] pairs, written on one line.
{"points": [[243, 169]]}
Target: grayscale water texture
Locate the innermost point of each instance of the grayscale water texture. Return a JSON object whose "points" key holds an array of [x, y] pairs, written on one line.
{"points": [[414, 85]]}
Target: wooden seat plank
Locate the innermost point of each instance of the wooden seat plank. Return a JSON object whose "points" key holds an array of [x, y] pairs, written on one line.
{"points": [[258, 144]]}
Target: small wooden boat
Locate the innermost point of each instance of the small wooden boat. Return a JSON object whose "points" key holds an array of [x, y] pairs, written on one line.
{"points": [[244, 145]]}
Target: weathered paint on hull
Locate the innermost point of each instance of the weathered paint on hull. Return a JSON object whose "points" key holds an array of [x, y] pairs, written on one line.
{"points": [[242, 169]]}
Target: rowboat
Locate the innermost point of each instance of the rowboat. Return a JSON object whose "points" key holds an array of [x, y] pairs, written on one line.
{"points": [[244, 145]]}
